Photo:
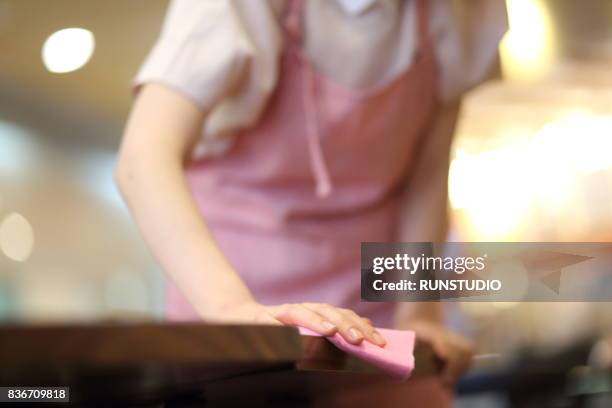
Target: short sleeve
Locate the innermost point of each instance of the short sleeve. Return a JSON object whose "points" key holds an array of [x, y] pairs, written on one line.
{"points": [[466, 36], [221, 54], [200, 51]]}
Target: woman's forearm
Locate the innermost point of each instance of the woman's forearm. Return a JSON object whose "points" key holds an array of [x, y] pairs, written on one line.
{"points": [[425, 210], [157, 195]]}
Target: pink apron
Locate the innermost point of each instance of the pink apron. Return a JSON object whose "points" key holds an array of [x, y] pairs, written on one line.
{"points": [[323, 170], [293, 199]]}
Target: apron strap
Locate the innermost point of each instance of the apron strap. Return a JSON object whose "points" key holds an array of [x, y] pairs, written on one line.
{"points": [[320, 170], [294, 25], [422, 23], [293, 19]]}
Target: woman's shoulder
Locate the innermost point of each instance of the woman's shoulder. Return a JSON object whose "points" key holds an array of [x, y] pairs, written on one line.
{"points": [[467, 36]]}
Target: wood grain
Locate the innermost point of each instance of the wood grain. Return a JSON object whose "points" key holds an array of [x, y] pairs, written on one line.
{"points": [[188, 363]]}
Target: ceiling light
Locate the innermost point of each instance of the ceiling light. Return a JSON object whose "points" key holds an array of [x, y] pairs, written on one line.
{"points": [[68, 49]]}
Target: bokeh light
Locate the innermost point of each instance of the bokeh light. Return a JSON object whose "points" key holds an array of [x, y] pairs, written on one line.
{"points": [[68, 50], [18, 152], [527, 50], [16, 237]]}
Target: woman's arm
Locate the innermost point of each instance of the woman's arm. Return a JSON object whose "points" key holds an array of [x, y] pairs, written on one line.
{"points": [[162, 128], [425, 209], [425, 219], [160, 131]]}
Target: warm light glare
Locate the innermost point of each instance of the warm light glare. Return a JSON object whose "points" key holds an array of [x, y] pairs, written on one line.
{"points": [[528, 47], [16, 237], [68, 50], [499, 189], [488, 186]]}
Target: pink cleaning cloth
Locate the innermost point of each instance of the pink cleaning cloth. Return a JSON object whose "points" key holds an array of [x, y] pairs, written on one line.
{"points": [[396, 358]]}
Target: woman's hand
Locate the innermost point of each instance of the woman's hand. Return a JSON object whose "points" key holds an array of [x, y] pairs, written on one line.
{"points": [[455, 350], [319, 317]]}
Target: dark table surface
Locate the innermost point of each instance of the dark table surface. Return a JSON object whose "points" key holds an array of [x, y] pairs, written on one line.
{"points": [[185, 364]]}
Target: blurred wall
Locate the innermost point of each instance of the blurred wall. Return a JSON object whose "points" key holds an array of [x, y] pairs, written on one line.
{"points": [[68, 248]]}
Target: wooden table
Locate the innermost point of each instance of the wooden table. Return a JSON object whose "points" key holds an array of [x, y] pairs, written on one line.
{"points": [[185, 365]]}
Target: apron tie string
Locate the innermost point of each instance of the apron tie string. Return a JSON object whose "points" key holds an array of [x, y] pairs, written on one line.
{"points": [[320, 171], [317, 159]]}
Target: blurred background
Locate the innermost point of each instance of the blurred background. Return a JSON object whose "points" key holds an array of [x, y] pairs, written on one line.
{"points": [[532, 160], [68, 248]]}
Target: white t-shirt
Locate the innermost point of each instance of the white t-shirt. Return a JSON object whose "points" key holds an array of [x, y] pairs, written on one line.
{"points": [[224, 54]]}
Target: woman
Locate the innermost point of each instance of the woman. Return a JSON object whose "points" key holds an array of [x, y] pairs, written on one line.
{"points": [[270, 138]]}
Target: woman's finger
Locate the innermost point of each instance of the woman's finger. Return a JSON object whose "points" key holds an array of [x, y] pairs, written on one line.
{"points": [[455, 367], [370, 333], [298, 315], [264, 317], [351, 327], [459, 360], [346, 328]]}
